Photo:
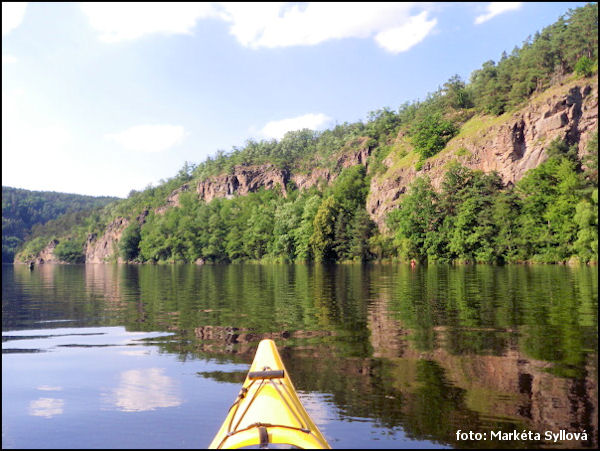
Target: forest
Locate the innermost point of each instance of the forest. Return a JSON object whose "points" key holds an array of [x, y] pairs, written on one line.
{"points": [[23, 210], [549, 216]]}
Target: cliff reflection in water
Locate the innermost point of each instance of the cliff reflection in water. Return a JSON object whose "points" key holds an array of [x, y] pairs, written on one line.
{"points": [[431, 350]]}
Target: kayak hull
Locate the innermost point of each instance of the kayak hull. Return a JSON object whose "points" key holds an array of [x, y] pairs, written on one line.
{"points": [[268, 410]]}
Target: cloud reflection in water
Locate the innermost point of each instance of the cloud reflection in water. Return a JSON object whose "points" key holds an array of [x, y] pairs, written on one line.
{"points": [[145, 389], [46, 407]]}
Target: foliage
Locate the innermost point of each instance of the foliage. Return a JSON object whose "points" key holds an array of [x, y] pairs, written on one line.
{"points": [[383, 124], [551, 215], [130, 240], [541, 61], [262, 225], [322, 239], [584, 67], [456, 93], [548, 216], [23, 209], [70, 251], [431, 134]]}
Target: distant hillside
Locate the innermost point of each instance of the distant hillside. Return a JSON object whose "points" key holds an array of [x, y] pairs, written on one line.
{"points": [[502, 168], [23, 209]]}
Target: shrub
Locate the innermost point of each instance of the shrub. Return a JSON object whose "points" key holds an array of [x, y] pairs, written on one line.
{"points": [[431, 134], [69, 251], [584, 67]]}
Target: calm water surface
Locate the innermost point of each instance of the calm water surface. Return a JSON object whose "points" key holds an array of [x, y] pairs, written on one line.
{"points": [[103, 356]]}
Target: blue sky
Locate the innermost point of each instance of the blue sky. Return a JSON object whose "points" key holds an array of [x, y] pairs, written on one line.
{"points": [[101, 99]]}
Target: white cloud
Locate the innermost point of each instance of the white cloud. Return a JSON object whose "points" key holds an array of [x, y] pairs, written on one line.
{"points": [[12, 15], [495, 8], [49, 388], [282, 25], [131, 20], [8, 59], [276, 129], [149, 138], [268, 25], [400, 39]]}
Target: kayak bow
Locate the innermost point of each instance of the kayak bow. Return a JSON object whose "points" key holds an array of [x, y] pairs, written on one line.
{"points": [[267, 409]]}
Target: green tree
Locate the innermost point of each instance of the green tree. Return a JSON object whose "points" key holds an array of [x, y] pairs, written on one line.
{"points": [[130, 240], [584, 67], [70, 251], [457, 94], [362, 229], [303, 234], [431, 134], [586, 218], [323, 238], [415, 220]]}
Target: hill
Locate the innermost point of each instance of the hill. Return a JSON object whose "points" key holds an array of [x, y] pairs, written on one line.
{"points": [[502, 168], [23, 209]]}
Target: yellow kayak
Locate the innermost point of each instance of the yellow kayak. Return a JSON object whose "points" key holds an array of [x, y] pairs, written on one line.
{"points": [[267, 409]]}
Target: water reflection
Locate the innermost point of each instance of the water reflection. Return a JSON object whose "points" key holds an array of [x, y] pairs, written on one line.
{"points": [[145, 389], [46, 407], [429, 350]]}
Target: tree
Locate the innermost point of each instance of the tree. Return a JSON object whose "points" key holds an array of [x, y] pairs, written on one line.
{"points": [[584, 67], [303, 234], [362, 229], [431, 134], [456, 93], [586, 218], [322, 239], [70, 251], [350, 189], [382, 124], [415, 220], [130, 240]]}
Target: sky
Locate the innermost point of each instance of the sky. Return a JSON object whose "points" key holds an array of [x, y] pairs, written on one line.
{"points": [[105, 98]]}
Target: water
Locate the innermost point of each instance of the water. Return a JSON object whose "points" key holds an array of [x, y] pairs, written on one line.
{"points": [[104, 356]]}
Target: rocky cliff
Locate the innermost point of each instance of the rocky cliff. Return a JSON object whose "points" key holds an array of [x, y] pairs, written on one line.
{"points": [[100, 249], [47, 254], [104, 248], [243, 180], [511, 144]]}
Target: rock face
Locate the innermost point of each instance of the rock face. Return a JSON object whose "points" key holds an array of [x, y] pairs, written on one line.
{"points": [[248, 179], [173, 199], [511, 147], [47, 254], [104, 248], [243, 180], [313, 178], [360, 156]]}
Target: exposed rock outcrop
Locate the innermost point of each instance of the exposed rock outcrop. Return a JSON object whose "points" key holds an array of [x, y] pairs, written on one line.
{"points": [[356, 157], [104, 248], [243, 180], [511, 147], [248, 179], [313, 178], [47, 254], [173, 199]]}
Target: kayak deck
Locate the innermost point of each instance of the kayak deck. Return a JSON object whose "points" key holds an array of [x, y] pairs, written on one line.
{"points": [[267, 409]]}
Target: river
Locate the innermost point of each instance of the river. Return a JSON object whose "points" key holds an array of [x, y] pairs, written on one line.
{"points": [[383, 356]]}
